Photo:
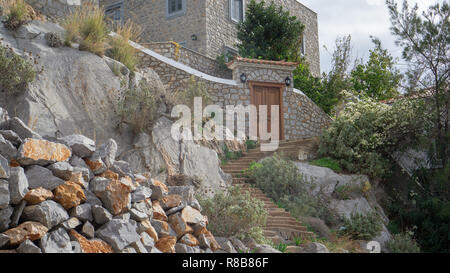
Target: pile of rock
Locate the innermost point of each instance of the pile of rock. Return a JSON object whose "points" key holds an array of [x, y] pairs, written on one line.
{"points": [[67, 195]]}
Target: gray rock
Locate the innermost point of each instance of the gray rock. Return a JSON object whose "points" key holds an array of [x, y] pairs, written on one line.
{"points": [[57, 241], [118, 233], [101, 215], [49, 213], [92, 199], [3, 116], [144, 207], [80, 145], [28, 247], [4, 239], [264, 249], [139, 247], [99, 186], [226, 245], [18, 185], [175, 210], [182, 248], [62, 170], [5, 218], [140, 194], [107, 152], [147, 241], [12, 137], [18, 210], [72, 223], [83, 212], [129, 250], [88, 230], [7, 149], [204, 241], [187, 192], [22, 130], [196, 205], [138, 215], [163, 229], [239, 245], [122, 168], [4, 167], [315, 248], [39, 176], [79, 165], [4, 194]]}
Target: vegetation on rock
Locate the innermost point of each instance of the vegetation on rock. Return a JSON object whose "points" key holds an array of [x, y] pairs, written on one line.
{"points": [[362, 227]]}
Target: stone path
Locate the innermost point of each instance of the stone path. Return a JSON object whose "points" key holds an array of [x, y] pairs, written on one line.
{"points": [[279, 223]]}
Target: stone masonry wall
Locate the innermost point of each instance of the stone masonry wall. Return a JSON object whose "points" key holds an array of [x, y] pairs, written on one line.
{"points": [[57, 8], [191, 58]]}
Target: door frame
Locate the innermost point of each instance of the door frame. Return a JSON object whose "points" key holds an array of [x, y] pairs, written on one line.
{"points": [[281, 86]]}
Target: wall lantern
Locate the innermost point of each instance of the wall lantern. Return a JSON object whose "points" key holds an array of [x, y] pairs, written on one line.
{"points": [[288, 81], [194, 37], [243, 78]]}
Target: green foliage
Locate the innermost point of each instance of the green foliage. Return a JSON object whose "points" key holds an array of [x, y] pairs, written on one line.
{"points": [[138, 107], [234, 213], [121, 50], [250, 144], [17, 15], [16, 71], [365, 134], [378, 78], [281, 247], [251, 169], [192, 89], [229, 155], [403, 243], [269, 32], [362, 227], [426, 209], [327, 163]]}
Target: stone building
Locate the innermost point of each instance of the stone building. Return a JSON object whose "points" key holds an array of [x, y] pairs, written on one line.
{"points": [[206, 26]]}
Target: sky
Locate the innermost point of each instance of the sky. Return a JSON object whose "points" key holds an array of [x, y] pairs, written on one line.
{"points": [[360, 18]]}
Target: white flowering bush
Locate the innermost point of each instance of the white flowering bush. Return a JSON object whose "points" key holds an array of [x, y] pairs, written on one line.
{"points": [[366, 132]]}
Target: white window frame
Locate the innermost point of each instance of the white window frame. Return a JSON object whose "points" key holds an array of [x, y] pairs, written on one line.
{"points": [[303, 46], [114, 6], [231, 5], [177, 13]]}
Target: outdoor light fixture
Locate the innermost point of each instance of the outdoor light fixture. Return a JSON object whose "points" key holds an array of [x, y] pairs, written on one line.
{"points": [[194, 37], [288, 81], [243, 78]]}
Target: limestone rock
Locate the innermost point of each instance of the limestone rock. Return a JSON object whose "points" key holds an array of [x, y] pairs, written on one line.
{"points": [[140, 194], [179, 225], [4, 194], [28, 247], [83, 212], [115, 194], [183, 248], [26, 231], [265, 249], [171, 201], [192, 216], [163, 229], [3, 238], [80, 165], [167, 244], [48, 213], [147, 241], [158, 212], [12, 137], [72, 223], [69, 195], [7, 149], [159, 190], [5, 218], [57, 241], [18, 210], [4, 167], [107, 152], [96, 165], [23, 131], [88, 230], [18, 185], [139, 247], [147, 227], [62, 170], [118, 233], [38, 195], [101, 215], [315, 248], [42, 152], [92, 199], [40, 177], [80, 145], [213, 243], [189, 240], [225, 245], [91, 246], [3, 115]]}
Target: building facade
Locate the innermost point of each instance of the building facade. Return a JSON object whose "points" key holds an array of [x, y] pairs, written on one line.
{"points": [[206, 26]]}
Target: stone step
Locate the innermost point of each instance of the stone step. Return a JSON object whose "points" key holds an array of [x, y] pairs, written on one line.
{"points": [[289, 234], [297, 227]]}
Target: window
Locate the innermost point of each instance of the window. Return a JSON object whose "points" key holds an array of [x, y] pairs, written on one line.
{"points": [[175, 8], [303, 46], [229, 53], [115, 11], [237, 10]]}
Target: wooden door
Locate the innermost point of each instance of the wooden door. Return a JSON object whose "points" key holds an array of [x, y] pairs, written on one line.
{"points": [[268, 94]]}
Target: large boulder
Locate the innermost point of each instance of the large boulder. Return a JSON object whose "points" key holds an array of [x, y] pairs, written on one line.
{"points": [[118, 233], [49, 213]]}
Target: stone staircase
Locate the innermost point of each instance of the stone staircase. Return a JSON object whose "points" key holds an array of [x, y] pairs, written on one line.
{"points": [[280, 224]]}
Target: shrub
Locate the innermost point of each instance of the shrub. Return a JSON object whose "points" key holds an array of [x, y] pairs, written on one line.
{"points": [[403, 243], [16, 71], [138, 107], [87, 26], [230, 155], [121, 50], [363, 227], [234, 213], [190, 90], [250, 144], [17, 15], [327, 163], [53, 40], [365, 134]]}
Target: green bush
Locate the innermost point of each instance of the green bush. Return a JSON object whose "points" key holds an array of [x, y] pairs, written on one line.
{"points": [[17, 15], [403, 243], [229, 155], [121, 50], [362, 227], [365, 134], [16, 71], [250, 144], [327, 162], [234, 213]]}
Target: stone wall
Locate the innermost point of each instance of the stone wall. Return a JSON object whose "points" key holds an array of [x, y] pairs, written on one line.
{"points": [[190, 58], [54, 9]]}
